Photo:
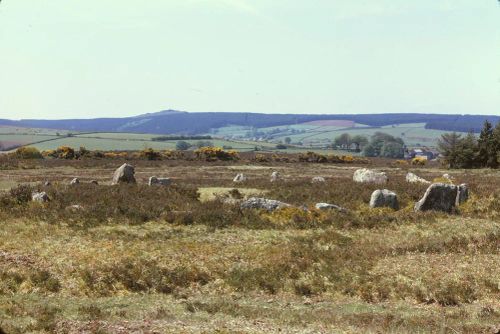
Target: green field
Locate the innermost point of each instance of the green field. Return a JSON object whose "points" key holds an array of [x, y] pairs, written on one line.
{"points": [[111, 141], [414, 134], [305, 137], [13, 130]]}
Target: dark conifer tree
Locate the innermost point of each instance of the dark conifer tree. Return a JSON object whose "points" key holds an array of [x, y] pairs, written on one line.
{"points": [[486, 146]]}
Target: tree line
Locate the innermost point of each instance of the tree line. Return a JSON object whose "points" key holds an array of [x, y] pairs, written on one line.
{"points": [[470, 151], [379, 145]]}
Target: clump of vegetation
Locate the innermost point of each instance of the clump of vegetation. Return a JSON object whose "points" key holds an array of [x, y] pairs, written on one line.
{"points": [[20, 194], [215, 153], [419, 161], [384, 145], [347, 142], [63, 152], [27, 152], [313, 157], [182, 145], [150, 154]]}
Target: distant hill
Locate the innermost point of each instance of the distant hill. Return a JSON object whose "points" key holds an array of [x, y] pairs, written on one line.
{"points": [[179, 122]]}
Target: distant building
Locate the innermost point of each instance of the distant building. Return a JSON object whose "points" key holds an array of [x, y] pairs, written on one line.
{"points": [[422, 153]]}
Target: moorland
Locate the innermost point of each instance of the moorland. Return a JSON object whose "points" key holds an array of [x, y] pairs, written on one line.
{"points": [[186, 258]]}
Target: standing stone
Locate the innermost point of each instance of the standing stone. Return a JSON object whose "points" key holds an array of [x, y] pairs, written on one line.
{"points": [[164, 181], [75, 181], [240, 178], [124, 174], [384, 198], [275, 177], [365, 175], [40, 197], [318, 179], [412, 178], [440, 197], [463, 194]]}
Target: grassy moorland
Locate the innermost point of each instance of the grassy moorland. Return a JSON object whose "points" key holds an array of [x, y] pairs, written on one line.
{"points": [[159, 260]]}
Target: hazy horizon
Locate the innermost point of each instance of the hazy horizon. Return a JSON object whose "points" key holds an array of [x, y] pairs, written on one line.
{"points": [[97, 59], [194, 112]]}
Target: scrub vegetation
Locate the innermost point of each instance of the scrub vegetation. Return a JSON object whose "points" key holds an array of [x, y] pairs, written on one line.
{"points": [[184, 259]]}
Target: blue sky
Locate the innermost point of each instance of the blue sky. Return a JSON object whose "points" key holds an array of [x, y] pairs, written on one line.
{"points": [[66, 59]]}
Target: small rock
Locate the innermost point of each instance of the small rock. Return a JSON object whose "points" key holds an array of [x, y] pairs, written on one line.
{"points": [[75, 181], [318, 179], [263, 203], [124, 174], [413, 178], [94, 182], [240, 178], [275, 177], [40, 197], [47, 184], [365, 175], [327, 206], [164, 181], [384, 198], [75, 207]]}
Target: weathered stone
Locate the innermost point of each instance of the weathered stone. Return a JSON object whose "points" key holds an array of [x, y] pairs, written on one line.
{"points": [[384, 198], [413, 178], [75, 181], [47, 184], [263, 203], [463, 194], [124, 174], [74, 208], [327, 206], [318, 179], [365, 175], [40, 197], [160, 181], [448, 177], [94, 182], [240, 178], [275, 177], [441, 197]]}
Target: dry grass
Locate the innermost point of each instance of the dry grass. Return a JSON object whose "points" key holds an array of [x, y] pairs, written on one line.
{"points": [[141, 259]]}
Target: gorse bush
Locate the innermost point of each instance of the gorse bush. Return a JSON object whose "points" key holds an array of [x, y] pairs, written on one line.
{"points": [[150, 154], [419, 161], [28, 153], [215, 153], [63, 152]]}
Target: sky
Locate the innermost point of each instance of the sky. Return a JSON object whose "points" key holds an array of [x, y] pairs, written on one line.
{"points": [[110, 58]]}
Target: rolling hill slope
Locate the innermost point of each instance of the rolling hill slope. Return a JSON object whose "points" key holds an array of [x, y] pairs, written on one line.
{"points": [[173, 122]]}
